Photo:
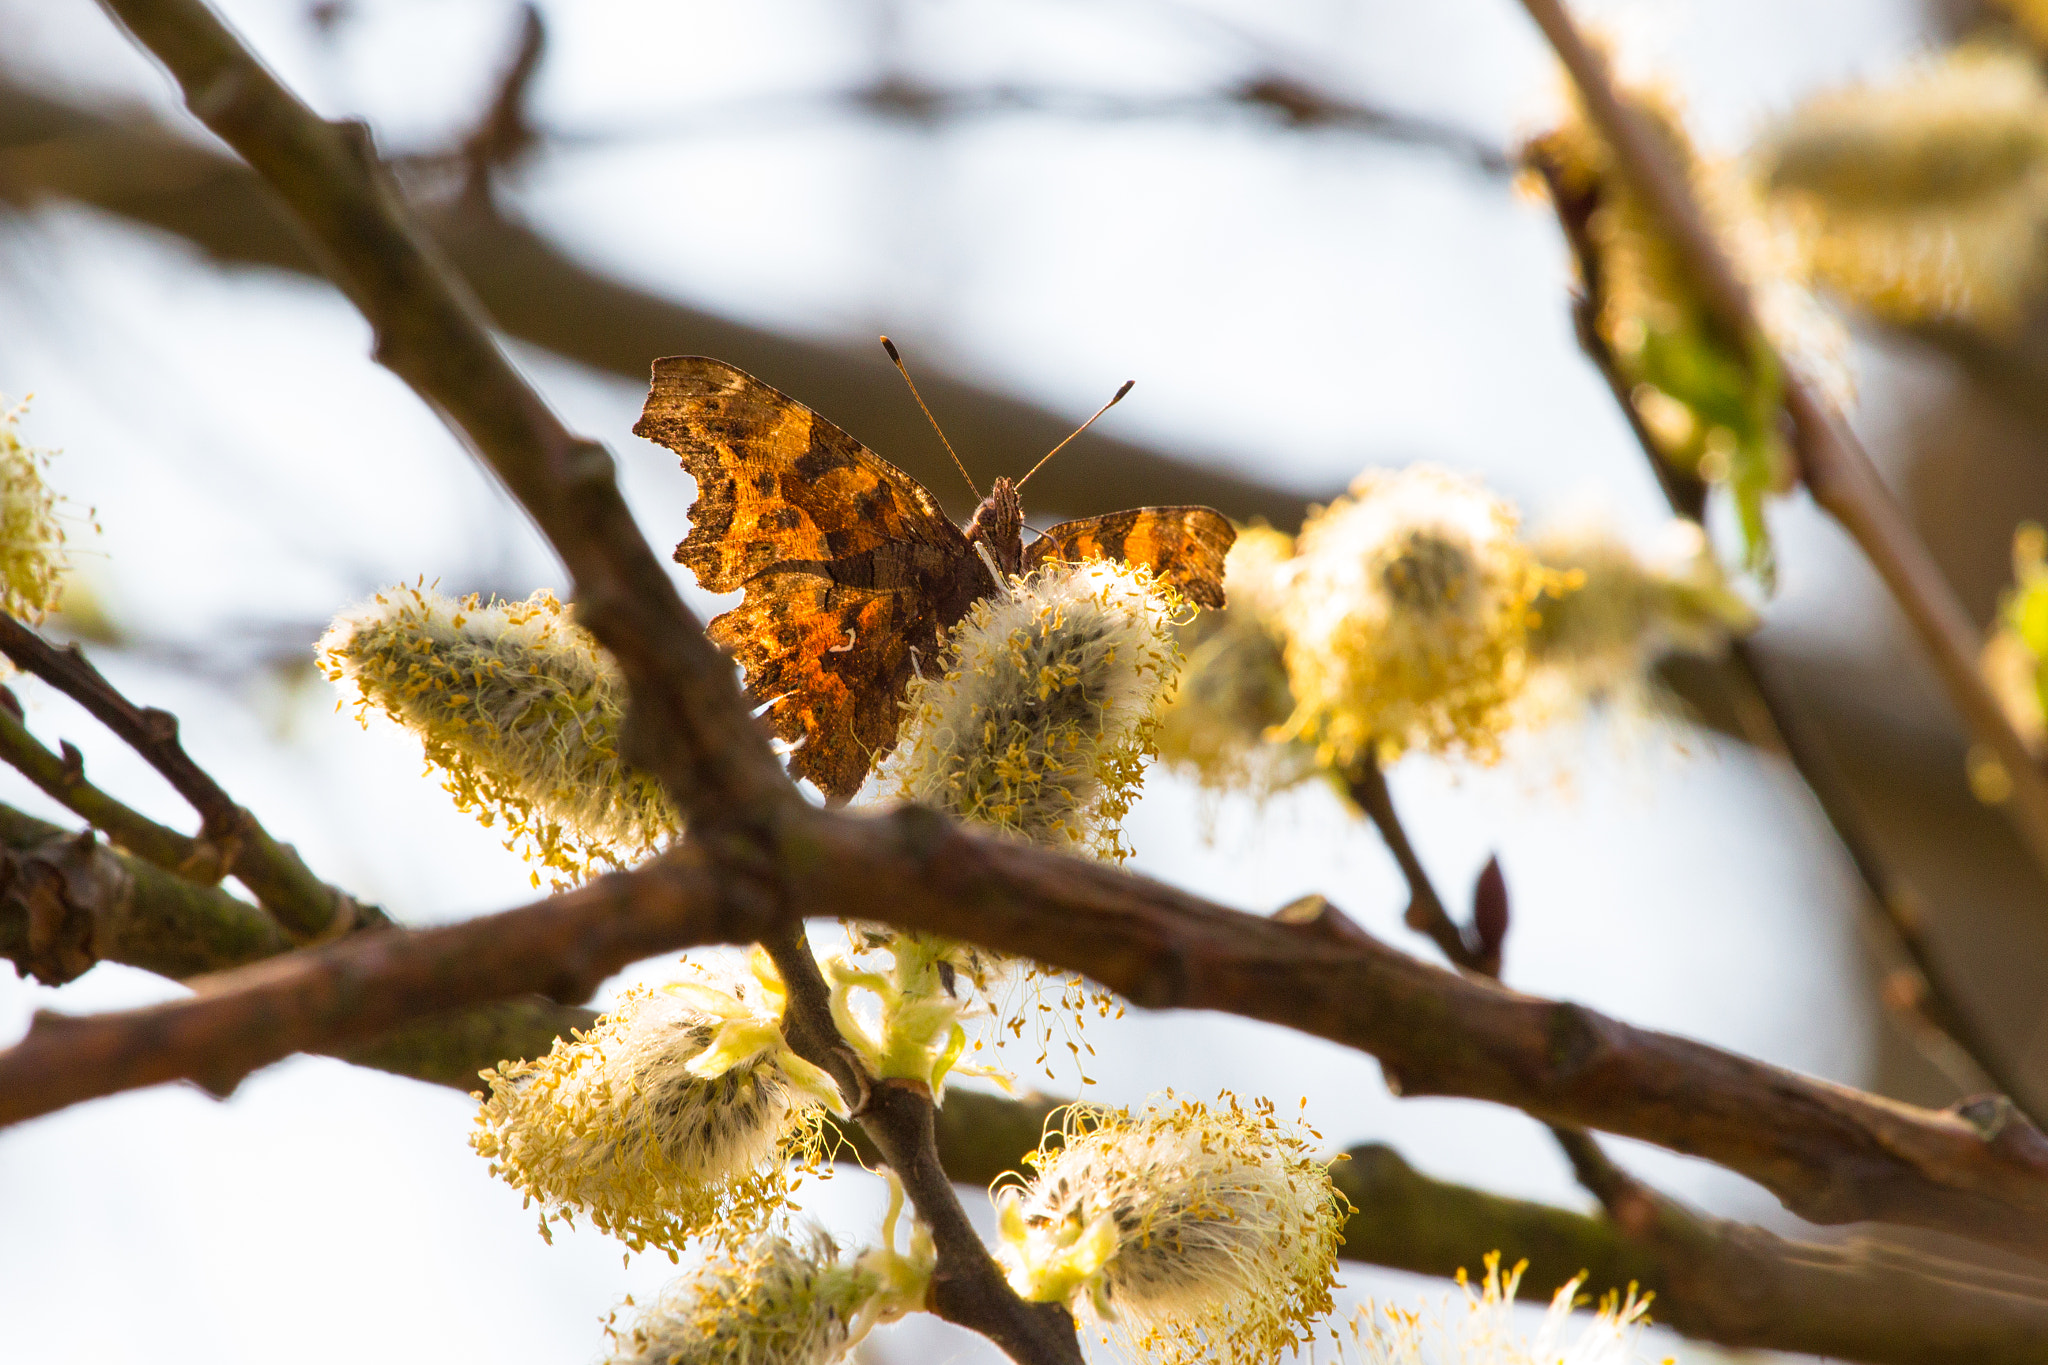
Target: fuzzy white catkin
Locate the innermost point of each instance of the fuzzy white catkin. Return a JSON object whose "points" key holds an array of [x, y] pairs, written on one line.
{"points": [[1194, 1233], [622, 1125], [777, 1301], [1923, 197], [1405, 614], [518, 708], [1225, 723], [31, 539], [1041, 721]]}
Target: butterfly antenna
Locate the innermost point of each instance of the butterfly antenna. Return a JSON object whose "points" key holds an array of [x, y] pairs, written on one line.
{"points": [[897, 359], [1077, 431]]}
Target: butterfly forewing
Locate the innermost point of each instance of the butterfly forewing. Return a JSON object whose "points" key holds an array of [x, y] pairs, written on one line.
{"points": [[1184, 546], [775, 481]]}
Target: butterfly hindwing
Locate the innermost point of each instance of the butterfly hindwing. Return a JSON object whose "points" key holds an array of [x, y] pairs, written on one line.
{"points": [[831, 662], [1184, 546], [775, 481]]}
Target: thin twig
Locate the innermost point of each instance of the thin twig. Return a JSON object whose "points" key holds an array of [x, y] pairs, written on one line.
{"points": [[1367, 787], [1935, 1010], [897, 1117], [1287, 101], [62, 778], [1426, 914], [1833, 464], [307, 907]]}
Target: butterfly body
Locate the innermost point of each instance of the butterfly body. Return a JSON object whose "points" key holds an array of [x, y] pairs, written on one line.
{"points": [[852, 574]]}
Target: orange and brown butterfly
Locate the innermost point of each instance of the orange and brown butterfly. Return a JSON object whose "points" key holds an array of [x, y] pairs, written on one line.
{"points": [[851, 572]]}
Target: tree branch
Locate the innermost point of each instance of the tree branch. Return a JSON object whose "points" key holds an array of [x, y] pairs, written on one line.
{"points": [[1833, 464], [1830, 1153], [1720, 1282], [1714, 1280], [364, 986]]}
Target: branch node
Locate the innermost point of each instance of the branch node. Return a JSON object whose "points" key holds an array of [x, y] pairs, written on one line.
{"points": [[1316, 917]]}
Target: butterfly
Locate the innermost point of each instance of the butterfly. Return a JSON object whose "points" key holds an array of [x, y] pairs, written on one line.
{"points": [[850, 570]]}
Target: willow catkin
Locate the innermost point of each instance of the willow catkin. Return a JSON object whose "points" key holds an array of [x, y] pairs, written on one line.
{"points": [[1225, 723], [1192, 1233], [1924, 197], [1406, 615], [520, 711], [1041, 722], [671, 1114], [32, 560], [1609, 612]]}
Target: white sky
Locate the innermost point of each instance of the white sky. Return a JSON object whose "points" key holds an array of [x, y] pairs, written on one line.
{"points": [[1296, 305]]}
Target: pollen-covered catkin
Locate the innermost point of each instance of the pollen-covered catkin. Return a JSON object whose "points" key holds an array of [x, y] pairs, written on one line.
{"points": [[31, 540], [1479, 1329], [783, 1299], [1406, 616], [518, 708], [665, 1118], [1923, 198], [1040, 724], [1609, 612], [775, 1301], [1224, 724], [1194, 1233]]}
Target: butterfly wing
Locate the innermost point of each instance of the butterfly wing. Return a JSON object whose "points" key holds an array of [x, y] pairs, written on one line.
{"points": [[848, 565], [775, 481], [1184, 546], [831, 662]]}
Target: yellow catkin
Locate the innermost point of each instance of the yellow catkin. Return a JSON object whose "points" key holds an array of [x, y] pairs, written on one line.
{"points": [[520, 712], [781, 1299], [1042, 720], [1406, 615], [1610, 612], [1190, 1233], [32, 559], [1225, 724], [1479, 1328], [672, 1115], [1923, 198]]}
